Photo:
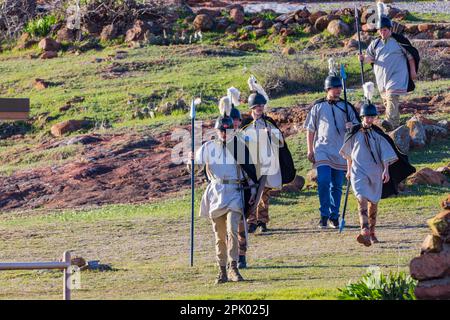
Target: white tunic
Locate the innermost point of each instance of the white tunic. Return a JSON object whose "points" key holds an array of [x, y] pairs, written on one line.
{"points": [[266, 151], [329, 129], [218, 198], [366, 171], [389, 65]]}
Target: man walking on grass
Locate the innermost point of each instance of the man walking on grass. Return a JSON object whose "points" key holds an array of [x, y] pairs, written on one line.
{"points": [[394, 67], [326, 125]]}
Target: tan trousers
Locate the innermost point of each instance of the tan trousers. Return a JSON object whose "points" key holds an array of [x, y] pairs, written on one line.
{"points": [[261, 214], [391, 102], [225, 230], [367, 215]]}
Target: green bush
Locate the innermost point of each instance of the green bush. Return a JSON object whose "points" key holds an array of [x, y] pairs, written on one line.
{"points": [[377, 286], [281, 75], [41, 27]]}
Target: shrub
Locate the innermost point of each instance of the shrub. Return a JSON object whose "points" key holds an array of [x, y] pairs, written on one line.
{"points": [[282, 74], [40, 27], [433, 64], [376, 286]]}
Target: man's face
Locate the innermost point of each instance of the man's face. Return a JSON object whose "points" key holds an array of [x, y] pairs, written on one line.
{"points": [[257, 111], [334, 93], [368, 120], [221, 134], [236, 123], [384, 33]]}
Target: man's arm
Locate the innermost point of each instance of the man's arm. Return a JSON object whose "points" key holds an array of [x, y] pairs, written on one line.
{"points": [[310, 143], [349, 168]]}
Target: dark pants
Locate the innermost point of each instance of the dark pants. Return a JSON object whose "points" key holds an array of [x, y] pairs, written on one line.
{"points": [[330, 182]]}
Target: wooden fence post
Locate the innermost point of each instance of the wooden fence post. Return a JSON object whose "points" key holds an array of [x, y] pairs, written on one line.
{"points": [[67, 276]]}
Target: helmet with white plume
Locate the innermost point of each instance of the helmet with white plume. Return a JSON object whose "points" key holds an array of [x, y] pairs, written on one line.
{"points": [[333, 80], [259, 95], [224, 121], [368, 108], [382, 20]]}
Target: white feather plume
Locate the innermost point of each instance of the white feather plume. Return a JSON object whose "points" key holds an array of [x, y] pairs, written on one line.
{"points": [[225, 106], [234, 95], [369, 89], [256, 87], [332, 70], [381, 9]]}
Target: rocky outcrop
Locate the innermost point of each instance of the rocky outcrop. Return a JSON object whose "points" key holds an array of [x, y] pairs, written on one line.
{"points": [[432, 267]]}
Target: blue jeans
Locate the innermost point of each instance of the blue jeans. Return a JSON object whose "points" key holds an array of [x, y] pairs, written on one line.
{"points": [[329, 183]]}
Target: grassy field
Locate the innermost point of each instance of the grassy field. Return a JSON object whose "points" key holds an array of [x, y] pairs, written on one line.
{"points": [[148, 249], [147, 245]]}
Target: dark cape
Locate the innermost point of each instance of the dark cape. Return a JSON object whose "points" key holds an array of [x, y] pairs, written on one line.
{"points": [[398, 171], [406, 44], [287, 166], [247, 166]]}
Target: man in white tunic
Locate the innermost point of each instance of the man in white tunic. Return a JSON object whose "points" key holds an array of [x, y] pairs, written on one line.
{"points": [[264, 138], [368, 156], [390, 61], [222, 200], [326, 125]]}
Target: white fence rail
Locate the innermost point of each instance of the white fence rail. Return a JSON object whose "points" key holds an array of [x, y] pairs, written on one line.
{"points": [[63, 265]]}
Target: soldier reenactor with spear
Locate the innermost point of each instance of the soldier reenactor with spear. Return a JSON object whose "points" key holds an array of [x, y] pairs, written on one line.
{"points": [[222, 200]]}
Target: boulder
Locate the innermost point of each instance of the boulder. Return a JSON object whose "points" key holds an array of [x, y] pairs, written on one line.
{"points": [[137, 32], [440, 225], [40, 84], [260, 33], [48, 44], [431, 244], [232, 28], [222, 24], [433, 131], [401, 138], [433, 289], [66, 35], [288, 51], [427, 176], [316, 15], [411, 28], [322, 22], [338, 28], [25, 41], [247, 46], [430, 266], [237, 16], [445, 203], [68, 126], [425, 27], [264, 24], [203, 22], [49, 55], [109, 32], [417, 133]]}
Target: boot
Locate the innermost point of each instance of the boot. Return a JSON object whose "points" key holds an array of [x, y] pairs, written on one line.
{"points": [[252, 227], [373, 238], [242, 262], [364, 237], [222, 276], [233, 272]]}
